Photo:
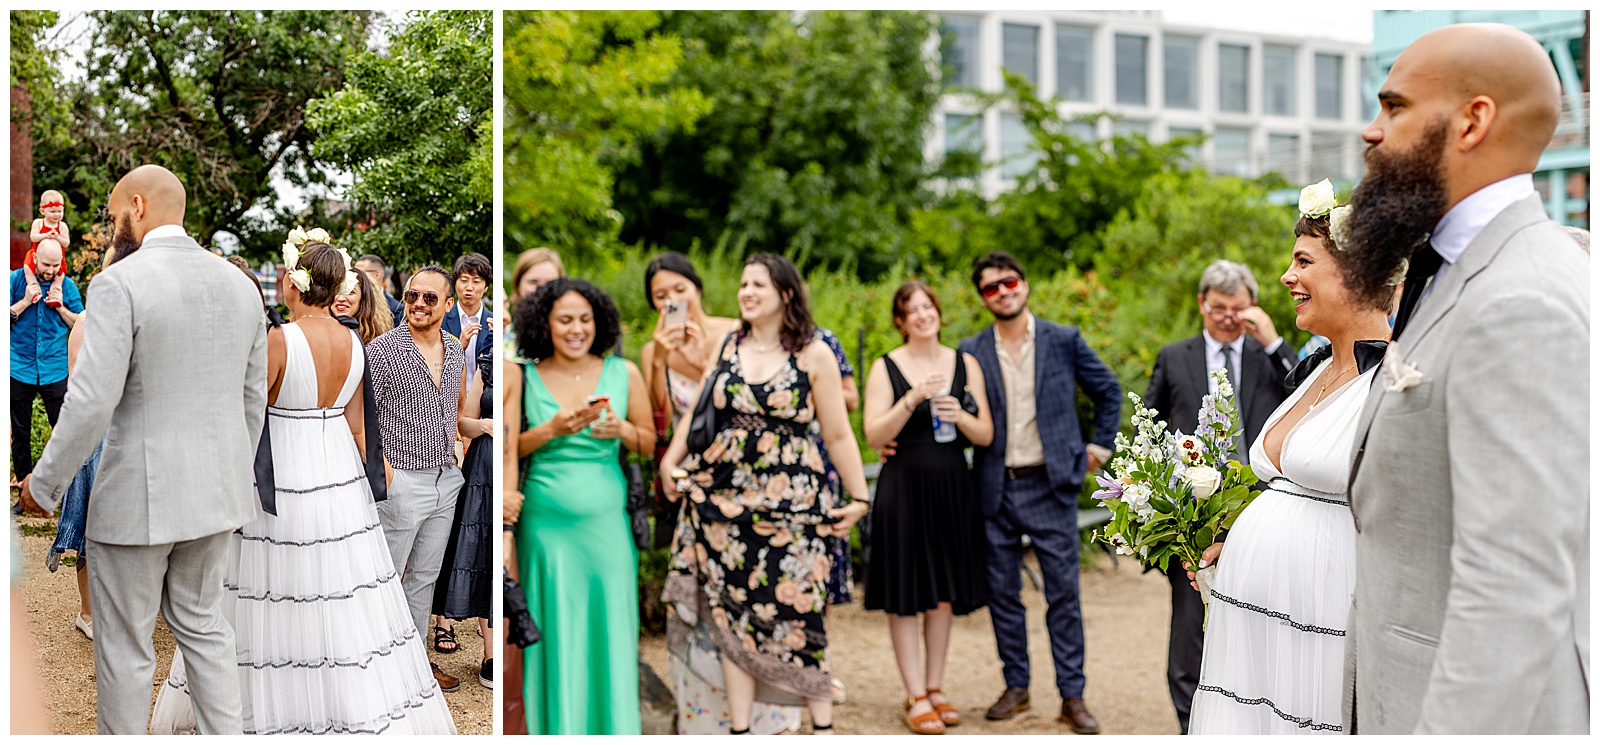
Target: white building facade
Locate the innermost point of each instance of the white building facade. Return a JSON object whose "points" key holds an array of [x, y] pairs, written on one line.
{"points": [[1268, 102]]}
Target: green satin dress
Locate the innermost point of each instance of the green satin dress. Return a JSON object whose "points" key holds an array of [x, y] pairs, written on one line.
{"points": [[580, 570]]}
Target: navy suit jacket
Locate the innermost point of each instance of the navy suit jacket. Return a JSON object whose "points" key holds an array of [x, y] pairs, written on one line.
{"points": [[1062, 361], [452, 321], [396, 308]]}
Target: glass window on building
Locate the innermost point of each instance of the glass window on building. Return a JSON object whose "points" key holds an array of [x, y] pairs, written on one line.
{"points": [[1330, 86], [1075, 63], [1230, 151], [1233, 78], [1369, 104], [1180, 68], [1277, 73], [1283, 156], [1084, 131], [1132, 75], [1125, 128], [1019, 47], [1017, 156], [1192, 151], [1327, 156], [963, 133], [960, 51]]}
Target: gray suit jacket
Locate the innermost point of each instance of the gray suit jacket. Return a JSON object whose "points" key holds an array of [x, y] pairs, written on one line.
{"points": [[173, 373], [1471, 499]]}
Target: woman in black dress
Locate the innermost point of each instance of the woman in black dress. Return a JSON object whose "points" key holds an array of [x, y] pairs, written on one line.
{"points": [[466, 582], [927, 529]]}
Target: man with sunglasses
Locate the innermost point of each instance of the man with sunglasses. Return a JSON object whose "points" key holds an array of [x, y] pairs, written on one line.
{"points": [[1029, 477], [416, 382], [1236, 336]]}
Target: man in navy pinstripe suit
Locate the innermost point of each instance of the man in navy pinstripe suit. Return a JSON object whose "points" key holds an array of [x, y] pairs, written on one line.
{"points": [[1028, 479]]}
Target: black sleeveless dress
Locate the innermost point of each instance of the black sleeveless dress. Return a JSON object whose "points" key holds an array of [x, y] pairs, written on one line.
{"points": [[927, 527]]}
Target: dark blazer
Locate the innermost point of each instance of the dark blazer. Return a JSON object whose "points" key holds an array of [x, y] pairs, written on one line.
{"points": [[1179, 382], [1062, 362], [452, 321]]}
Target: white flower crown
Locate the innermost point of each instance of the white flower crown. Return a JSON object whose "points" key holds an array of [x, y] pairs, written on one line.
{"points": [[301, 278]]}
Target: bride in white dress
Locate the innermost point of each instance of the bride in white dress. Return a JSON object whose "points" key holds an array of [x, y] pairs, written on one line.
{"points": [[1274, 641], [326, 643]]}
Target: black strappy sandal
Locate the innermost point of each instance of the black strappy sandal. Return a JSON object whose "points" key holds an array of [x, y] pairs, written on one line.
{"points": [[442, 635]]}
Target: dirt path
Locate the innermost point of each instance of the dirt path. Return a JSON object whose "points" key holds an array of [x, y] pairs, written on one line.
{"points": [[67, 677], [1126, 616]]}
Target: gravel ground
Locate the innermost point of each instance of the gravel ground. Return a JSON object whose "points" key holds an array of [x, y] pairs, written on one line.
{"points": [[1126, 616], [68, 686]]}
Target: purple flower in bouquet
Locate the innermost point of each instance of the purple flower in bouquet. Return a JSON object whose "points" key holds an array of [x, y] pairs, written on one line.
{"points": [[1110, 488]]}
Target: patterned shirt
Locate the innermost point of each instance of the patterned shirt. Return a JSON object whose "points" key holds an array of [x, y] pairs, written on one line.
{"points": [[417, 417]]}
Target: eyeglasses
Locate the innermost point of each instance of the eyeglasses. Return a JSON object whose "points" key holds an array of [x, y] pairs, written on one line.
{"points": [[1220, 313], [429, 299], [993, 288]]}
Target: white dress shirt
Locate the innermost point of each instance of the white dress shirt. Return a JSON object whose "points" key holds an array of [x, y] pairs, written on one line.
{"points": [[470, 349], [1462, 224], [169, 230]]}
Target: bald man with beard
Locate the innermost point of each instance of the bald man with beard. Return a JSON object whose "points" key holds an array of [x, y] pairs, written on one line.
{"points": [[1470, 477], [173, 375]]}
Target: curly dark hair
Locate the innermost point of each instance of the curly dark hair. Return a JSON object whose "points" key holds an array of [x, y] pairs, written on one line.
{"points": [[798, 329], [996, 260], [532, 319], [1349, 268], [326, 268]]}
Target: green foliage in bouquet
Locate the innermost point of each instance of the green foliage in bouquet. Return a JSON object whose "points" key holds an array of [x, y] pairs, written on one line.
{"points": [[1170, 495]]}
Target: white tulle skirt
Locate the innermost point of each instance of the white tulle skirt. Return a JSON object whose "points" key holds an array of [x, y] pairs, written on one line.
{"points": [[1274, 642], [326, 643]]}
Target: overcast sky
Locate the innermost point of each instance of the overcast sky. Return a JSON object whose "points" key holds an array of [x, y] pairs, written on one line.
{"points": [[1331, 20]]}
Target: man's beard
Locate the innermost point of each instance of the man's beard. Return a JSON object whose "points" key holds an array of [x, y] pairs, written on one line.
{"points": [[1398, 203], [998, 316], [122, 241]]}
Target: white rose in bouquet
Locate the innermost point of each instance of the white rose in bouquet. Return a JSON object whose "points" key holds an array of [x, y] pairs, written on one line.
{"points": [[1202, 480]]}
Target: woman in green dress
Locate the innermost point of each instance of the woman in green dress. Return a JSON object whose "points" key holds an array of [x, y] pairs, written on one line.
{"points": [[576, 555]]}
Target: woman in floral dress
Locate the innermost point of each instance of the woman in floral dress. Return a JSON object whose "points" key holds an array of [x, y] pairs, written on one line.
{"points": [[750, 552]]}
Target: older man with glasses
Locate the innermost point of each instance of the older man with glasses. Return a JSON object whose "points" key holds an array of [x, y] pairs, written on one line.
{"points": [[416, 383], [1237, 336]]}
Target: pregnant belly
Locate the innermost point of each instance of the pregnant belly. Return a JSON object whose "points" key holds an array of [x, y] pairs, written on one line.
{"points": [[574, 491]]}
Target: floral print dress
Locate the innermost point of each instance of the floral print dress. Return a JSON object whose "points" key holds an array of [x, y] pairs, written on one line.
{"points": [[751, 549]]}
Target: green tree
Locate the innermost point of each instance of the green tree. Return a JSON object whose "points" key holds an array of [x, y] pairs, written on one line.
{"points": [[218, 97], [34, 70], [415, 125], [813, 148], [1057, 213], [581, 89]]}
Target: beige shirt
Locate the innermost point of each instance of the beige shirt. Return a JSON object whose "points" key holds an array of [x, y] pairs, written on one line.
{"points": [[1023, 447]]}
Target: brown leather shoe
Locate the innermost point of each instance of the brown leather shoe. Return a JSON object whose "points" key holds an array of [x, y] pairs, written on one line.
{"points": [[1011, 702], [447, 682], [1075, 713]]}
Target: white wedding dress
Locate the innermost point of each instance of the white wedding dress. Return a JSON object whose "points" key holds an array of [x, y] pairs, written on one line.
{"points": [[1274, 641], [326, 643]]}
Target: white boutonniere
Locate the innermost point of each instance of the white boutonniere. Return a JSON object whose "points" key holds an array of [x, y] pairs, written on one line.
{"points": [[1398, 375]]}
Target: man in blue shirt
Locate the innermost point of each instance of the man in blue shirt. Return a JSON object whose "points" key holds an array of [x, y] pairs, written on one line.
{"points": [[39, 349]]}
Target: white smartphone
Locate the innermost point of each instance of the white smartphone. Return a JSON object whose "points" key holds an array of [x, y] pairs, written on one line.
{"points": [[677, 313]]}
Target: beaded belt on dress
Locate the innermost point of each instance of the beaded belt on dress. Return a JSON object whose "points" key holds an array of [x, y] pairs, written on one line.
{"points": [[1285, 486]]}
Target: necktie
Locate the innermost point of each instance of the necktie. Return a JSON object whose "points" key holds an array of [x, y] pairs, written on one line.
{"points": [[1233, 380], [1425, 263]]}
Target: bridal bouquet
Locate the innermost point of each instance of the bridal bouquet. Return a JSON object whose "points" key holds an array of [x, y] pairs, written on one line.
{"points": [[1171, 494]]}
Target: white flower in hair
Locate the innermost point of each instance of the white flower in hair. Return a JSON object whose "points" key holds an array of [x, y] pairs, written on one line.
{"points": [[1318, 199], [1400, 272], [301, 279], [291, 256], [317, 234], [297, 236], [349, 284], [1339, 226], [344, 254]]}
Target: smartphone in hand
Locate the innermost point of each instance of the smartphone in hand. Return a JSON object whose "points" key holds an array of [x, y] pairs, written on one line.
{"points": [[677, 313]]}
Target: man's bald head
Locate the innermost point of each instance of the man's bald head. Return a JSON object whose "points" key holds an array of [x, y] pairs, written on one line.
{"points": [[47, 258], [148, 197], [1466, 63]]}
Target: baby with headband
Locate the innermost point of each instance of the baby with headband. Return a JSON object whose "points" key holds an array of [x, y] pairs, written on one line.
{"points": [[53, 207]]}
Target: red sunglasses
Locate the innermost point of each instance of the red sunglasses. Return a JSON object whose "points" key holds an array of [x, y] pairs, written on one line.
{"points": [[993, 288]]}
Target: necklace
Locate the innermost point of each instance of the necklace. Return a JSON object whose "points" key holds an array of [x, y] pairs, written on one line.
{"points": [[582, 371], [308, 316], [1329, 382]]}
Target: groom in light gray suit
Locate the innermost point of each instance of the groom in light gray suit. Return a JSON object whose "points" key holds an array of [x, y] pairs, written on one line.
{"points": [[1470, 476], [173, 375]]}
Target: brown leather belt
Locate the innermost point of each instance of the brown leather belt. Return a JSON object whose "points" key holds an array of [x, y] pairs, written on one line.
{"points": [[1022, 472]]}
